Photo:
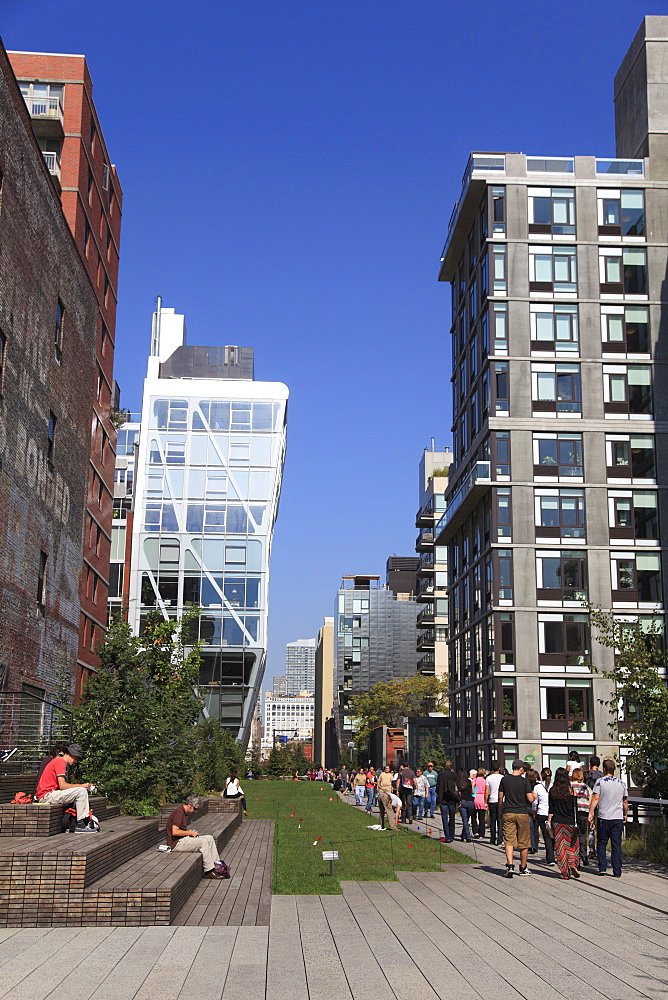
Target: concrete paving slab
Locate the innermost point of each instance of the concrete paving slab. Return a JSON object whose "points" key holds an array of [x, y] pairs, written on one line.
{"points": [[83, 980], [325, 975], [208, 972], [247, 973], [166, 978], [286, 972]]}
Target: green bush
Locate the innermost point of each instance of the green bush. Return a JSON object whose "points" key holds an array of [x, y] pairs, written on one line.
{"points": [[653, 846]]}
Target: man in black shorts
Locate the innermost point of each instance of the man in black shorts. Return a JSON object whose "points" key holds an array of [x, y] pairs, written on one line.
{"points": [[515, 798]]}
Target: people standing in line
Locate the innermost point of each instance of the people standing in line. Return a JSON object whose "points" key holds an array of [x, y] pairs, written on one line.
{"points": [[610, 797], [359, 781], [479, 788], [572, 762], [369, 786], [406, 790], [466, 806], [532, 777], [431, 776], [562, 817], [582, 794], [233, 790], [515, 798], [492, 783], [541, 812], [421, 794], [447, 799]]}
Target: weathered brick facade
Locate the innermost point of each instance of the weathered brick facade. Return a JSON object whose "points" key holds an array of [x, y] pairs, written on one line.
{"points": [[92, 201], [43, 483]]}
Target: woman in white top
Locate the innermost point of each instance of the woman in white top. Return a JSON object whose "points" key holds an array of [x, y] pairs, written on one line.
{"points": [[541, 812], [233, 790]]}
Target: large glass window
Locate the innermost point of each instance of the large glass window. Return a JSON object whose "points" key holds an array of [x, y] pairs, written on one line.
{"points": [[563, 640], [625, 329], [630, 456], [566, 705], [636, 577], [552, 211], [621, 213], [627, 389], [553, 269], [498, 210], [562, 575], [556, 388], [623, 270], [501, 387], [499, 316], [634, 514], [560, 513], [554, 328], [557, 456]]}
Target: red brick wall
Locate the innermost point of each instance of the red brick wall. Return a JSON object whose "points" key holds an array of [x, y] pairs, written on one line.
{"points": [[98, 214], [42, 506]]}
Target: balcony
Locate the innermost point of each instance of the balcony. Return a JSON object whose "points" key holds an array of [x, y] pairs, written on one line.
{"points": [[425, 591], [467, 495], [627, 168], [47, 117], [426, 563], [424, 540], [426, 617], [53, 165], [425, 516], [427, 664], [426, 639]]}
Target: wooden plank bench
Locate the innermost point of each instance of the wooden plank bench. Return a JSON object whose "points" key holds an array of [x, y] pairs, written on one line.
{"points": [[40, 819], [151, 888]]}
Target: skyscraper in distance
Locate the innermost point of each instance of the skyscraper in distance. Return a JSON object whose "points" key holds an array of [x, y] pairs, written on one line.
{"points": [[207, 486], [300, 666]]}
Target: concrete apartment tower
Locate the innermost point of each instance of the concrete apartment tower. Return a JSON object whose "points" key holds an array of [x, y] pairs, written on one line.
{"points": [[557, 490], [58, 92], [324, 695], [207, 486], [432, 571], [300, 666]]}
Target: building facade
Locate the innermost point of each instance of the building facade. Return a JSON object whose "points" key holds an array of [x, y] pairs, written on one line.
{"points": [[375, 641], [287, 719], [432, 570], [279, 685], [300, 666], [58, 92], [207, 485], [48, 317], [324, 693], [557, 491]]}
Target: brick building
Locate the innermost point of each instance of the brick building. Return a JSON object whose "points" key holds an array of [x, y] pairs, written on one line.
{"points": [[57, 90], [48, 378]]}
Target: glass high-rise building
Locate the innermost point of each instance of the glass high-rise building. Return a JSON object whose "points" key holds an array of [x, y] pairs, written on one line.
{"points": [[207, 486]]}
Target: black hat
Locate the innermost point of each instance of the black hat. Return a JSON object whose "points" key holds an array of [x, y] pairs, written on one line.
{"points": [[74, 750]]}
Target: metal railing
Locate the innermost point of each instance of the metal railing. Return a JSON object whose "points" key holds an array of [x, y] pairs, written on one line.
{"points": [[480, 471], [44, 107], [30, 725], [52, 164], [632, 168]]}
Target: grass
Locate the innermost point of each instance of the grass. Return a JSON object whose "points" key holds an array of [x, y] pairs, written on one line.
{"points": [[653, 846], [310, 818]]}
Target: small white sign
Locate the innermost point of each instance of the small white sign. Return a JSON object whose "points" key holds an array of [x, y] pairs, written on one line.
{"points": [[330, 855]]}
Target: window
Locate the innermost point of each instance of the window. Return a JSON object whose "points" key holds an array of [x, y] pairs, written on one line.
{"points": [[90, 187], [561, 575], [505, 634], [627, 390], [499, 210], [554, 328], [566, 706], [623, 270], [552, 269], [621, 213], [176, 449], [630, 457], [50, 439], [625, 329], [58, 334], [504, 560], [556, 389], [560, 513], [509, 711], [552, 211], [563, 640], [636, 577], [557, 455], [41, 581], [499, 314], [501, 452], [503, 515], [499, 273], [501, 387], [633, 514], [161, 517]]}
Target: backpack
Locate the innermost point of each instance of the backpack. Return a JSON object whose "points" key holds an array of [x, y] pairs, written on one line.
{"points": [[222, 869], [69, 820], [22, 798]]}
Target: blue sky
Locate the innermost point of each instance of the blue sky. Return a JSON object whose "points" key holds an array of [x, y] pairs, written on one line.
{"points": [[289, 169]]}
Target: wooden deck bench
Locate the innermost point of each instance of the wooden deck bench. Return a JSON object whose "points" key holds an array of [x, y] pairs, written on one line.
{"points": [[40, 819]]}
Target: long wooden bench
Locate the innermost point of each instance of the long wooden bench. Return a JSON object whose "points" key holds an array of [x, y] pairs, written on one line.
{"points": [[40, 819], [152, 887]]}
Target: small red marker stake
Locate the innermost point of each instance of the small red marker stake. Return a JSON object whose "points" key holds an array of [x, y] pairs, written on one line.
{"points": [[410, 845]]}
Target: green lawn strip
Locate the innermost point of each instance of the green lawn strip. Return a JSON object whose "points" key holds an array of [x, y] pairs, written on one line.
{"points": [[310, 818]]}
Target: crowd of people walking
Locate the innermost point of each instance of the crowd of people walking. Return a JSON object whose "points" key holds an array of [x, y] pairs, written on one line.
{"points": [[576, 812]]}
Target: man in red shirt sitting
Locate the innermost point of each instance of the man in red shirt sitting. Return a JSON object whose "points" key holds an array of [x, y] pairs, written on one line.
{"points": [[53, 787]]}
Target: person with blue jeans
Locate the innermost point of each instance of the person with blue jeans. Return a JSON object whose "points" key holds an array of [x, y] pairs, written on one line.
{"points": [[420, 794], [430, 802], [447, 797], [466, 805], [370, 787], [611, 798]]}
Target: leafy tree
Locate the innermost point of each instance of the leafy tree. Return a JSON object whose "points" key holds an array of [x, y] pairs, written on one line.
{"points": [[279, 761], [215, 752], [433, 749], [639, 686], [389, 702], [136, 719]]}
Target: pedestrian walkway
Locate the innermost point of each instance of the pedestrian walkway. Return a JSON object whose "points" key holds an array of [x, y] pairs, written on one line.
{"points": [[245, 898]]}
